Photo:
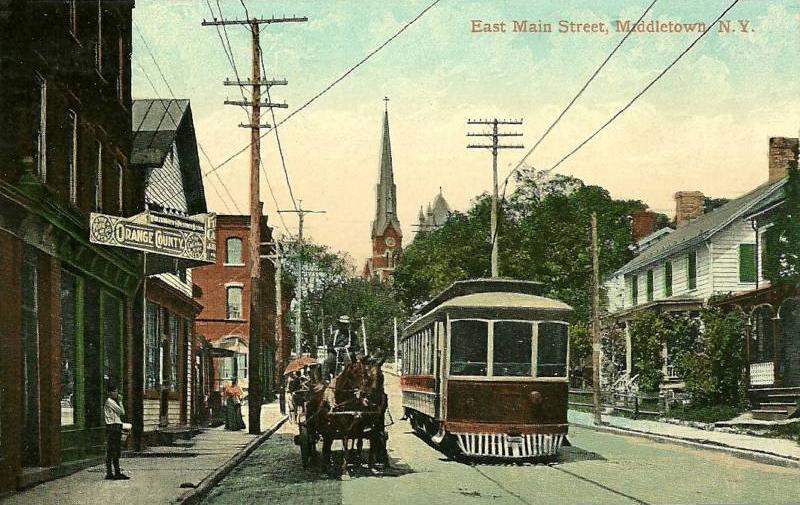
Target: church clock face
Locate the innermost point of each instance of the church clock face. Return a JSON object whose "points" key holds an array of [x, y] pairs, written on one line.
{"points": [[389, 241]]}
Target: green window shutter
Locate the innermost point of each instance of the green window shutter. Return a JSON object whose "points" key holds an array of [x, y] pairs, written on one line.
{"points": [[747, 262], [691, 261], [634, 289], [668, 279], [649, 285]]}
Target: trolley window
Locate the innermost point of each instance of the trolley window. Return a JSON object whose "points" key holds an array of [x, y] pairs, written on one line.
{"points": [[469, 346], [512, 349], [552, 350]]}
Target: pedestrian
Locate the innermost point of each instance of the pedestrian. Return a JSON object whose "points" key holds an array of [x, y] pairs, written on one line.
{"points": [[113, 411], [233, 418]]}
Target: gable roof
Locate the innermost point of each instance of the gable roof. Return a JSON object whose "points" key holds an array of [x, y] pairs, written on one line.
{"points": [[155, 125], [158, 125], [703, 227]]}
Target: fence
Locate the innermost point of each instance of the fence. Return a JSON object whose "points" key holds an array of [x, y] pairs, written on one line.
{"points": [[631, 404]]}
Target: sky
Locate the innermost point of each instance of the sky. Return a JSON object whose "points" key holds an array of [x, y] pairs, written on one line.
{"points": [[704, 126]]}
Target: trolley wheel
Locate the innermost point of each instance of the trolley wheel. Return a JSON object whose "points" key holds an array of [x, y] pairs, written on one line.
{"points": [[304, 441]]}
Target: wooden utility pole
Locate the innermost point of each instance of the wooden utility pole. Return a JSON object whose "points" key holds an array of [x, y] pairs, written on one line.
{"points": [[495, 146], [281, 354], [301, 214], [255, 83], [595, 323]]}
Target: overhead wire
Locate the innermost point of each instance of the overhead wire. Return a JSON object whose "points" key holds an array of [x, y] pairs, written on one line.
{"points": [[335, 81], [635, 98], [231, 59], [649, 85], [167, 110]]}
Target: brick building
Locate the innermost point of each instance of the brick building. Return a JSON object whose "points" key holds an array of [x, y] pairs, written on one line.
{"points": [[71, 309], [223, 289], [386, 236]]}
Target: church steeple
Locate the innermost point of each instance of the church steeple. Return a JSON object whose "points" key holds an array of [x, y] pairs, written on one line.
{"points": [[387, 239], [386, 192]]}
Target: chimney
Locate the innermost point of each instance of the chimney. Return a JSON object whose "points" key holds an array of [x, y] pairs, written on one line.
{"points": [[782, 155], [688, 205], [643, 223]]}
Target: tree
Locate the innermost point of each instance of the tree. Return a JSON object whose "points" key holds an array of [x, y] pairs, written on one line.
{"points": [[544, 236], [322, 270], [375, 302], [460, 249], [783, 240]]}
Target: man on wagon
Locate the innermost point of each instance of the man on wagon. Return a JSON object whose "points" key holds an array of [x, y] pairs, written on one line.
{"points": [[329, 365]]}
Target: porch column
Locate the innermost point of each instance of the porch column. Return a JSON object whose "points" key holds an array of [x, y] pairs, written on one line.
{"points": [[747, 354], [776, 349], [628, 351]]}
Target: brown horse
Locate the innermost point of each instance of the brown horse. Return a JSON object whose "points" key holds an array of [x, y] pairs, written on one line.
{"points": [[358, 388]]}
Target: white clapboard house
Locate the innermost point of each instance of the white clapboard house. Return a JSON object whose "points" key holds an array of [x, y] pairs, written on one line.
{"points": [[679, 270]]}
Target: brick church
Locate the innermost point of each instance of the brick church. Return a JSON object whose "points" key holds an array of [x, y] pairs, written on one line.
{"points": [[387, 238]]}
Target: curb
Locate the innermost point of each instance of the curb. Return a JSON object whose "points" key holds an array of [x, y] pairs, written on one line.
{"points": [[194, 496], [753, 455]]}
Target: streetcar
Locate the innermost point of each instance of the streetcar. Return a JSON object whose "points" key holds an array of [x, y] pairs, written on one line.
{"points": [[484, 370]]}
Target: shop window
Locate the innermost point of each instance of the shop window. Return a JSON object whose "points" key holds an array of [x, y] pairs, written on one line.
{"points": [[152, 348], [30, 361], [234, 302], [69, 337], [512, 349], [173, 352], [551, 358], [233, 251], [469, 344], [91, 355], [112, 340]]}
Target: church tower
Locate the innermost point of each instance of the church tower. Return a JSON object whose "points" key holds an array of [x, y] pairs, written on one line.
{"points": [[387, 238]]}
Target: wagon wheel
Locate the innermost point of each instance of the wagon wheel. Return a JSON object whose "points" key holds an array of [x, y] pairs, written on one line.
{"points": [[305, 446]]}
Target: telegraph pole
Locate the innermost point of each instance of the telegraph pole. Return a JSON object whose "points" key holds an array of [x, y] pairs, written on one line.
{"points": [[595, 323], [280, 358], [301, 214], [495, 146], [255, 83]]}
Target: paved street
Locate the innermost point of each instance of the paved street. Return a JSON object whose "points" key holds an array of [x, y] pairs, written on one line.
{"points": [[600, 468]]}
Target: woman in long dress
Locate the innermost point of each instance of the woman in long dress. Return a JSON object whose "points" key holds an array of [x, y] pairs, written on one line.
{"points": [[233, 417]]}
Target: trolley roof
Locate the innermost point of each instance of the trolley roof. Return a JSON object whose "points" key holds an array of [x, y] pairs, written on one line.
{"points": [[493, 299]]}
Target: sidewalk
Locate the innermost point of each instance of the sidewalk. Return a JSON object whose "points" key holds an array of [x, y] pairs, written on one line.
{"points": [[156, 475], [770, 450]]}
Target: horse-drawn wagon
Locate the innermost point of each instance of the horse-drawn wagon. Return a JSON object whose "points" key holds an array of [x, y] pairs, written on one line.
{"points": [[350, 408]]}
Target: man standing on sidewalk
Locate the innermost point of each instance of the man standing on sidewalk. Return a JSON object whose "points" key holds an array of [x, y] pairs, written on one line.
{"points": [[113, 412]]}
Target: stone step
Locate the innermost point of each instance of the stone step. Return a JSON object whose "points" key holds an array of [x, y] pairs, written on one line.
{"points": [[776, 405], [770, 414]]}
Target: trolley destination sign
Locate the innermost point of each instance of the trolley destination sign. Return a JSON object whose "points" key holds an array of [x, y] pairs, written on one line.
{"points": [[191, 239]]}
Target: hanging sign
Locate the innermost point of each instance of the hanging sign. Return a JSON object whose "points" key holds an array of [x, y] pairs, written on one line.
{"points": [[188, 238]]}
